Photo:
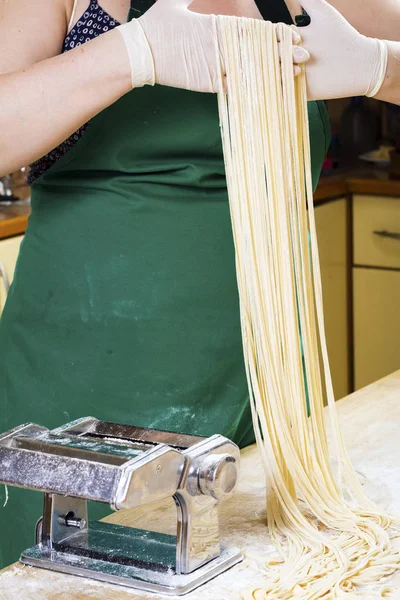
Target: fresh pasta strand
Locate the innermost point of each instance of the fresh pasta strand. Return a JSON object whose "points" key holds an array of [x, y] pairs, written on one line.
{"points": [[331, 540]]}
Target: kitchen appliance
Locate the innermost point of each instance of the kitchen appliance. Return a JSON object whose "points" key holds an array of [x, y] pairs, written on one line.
{"points": [[125, 467]]}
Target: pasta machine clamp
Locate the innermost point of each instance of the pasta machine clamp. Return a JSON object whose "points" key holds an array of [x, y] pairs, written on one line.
{"points": [[126, 467]]}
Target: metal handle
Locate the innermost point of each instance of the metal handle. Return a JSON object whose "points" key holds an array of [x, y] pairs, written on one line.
{"points": [[393, 235], [218, 476], [3, 274]]}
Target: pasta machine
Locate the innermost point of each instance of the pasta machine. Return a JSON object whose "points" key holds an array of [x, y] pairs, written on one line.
{"points": [[125, 467]]}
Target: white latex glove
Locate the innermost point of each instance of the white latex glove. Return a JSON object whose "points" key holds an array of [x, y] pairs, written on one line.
{"points": [[173, 46], [343, 62]]}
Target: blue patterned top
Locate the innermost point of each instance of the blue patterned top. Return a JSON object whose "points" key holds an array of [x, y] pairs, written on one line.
{"points": [[92, 23]]}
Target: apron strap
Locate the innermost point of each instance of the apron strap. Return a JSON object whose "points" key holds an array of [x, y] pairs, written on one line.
{"points": [[275, 11], [138, 8]]}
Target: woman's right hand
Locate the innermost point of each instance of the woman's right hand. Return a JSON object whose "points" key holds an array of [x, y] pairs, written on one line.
{"points": [[172, 46], [182, 45]]}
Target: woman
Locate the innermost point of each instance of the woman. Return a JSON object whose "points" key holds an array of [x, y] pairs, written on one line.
{"points": [[124, 303]]}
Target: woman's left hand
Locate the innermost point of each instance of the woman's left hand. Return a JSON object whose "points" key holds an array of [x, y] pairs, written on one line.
{"points": [[343, 62]]}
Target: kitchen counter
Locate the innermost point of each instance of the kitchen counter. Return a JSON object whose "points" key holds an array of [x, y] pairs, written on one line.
{"points": [[13, 219], [370, 419], [359, 180]]}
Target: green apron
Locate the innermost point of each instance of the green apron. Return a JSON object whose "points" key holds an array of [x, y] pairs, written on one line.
{"points": [[124, 304]]}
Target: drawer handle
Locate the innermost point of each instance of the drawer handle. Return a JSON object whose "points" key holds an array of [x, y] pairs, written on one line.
{"points": [[3, 274], [388, 234]]}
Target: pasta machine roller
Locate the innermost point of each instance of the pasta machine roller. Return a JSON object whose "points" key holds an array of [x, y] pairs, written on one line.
{"points": [[126, 467]]}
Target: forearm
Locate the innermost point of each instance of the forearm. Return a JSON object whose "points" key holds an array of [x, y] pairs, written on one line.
{"points": [[390, 90], [380, 19], [43, 105]]}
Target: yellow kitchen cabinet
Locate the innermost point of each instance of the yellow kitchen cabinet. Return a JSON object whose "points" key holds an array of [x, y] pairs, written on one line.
{"points": [[376, 231], [376, 324], [332, 230], [376, 287], [9, 249]]}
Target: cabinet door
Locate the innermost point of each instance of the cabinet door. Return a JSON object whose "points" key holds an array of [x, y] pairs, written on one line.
{"points": [[332, 230], [376, 324], [9, 249], [376, 230]]}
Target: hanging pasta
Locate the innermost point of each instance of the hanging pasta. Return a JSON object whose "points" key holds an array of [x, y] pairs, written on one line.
{"points": [[331, 540]]}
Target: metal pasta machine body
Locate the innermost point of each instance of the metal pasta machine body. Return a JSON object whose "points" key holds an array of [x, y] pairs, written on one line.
{"points": [[126, 467]]}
